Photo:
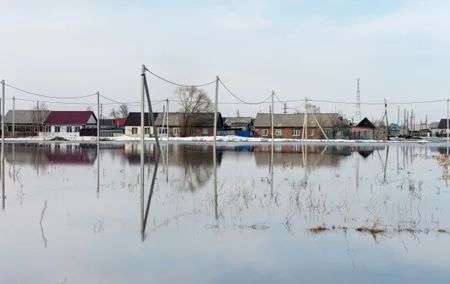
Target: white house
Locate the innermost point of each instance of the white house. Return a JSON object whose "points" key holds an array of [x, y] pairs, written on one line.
{"points": [[68, 124]]}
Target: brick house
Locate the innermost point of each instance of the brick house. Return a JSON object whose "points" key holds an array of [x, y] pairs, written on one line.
{"points": [[291, 125], [199, 124]]}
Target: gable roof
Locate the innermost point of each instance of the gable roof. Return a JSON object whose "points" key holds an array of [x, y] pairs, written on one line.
{"points": [[296, 120], [365, 123], [443, 124], [237, 121], [26, 116], [69, 117], [198, 119], [108, 122], [134, 119]]}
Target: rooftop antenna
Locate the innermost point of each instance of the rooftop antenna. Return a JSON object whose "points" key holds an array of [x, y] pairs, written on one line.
{"points": [[358, 102]]}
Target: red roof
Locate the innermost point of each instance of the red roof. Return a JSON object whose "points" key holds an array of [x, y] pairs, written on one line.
{"points": [[69, 117], [120, 122]]}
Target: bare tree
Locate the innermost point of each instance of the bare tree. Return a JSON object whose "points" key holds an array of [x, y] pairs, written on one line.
{"points": [[39, 115], [114, 113], [313, 108], [192, 100], [123, 110], [89, 108]]}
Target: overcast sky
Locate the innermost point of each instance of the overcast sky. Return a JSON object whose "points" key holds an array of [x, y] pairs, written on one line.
{"points": [[315, 49]]}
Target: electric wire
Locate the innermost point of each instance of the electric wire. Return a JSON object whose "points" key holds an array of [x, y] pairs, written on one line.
{"points": [[178, 84], [46, 96], [241, 100]]}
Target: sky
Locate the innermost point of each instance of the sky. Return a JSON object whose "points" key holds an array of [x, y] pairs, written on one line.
{"points": [[304, 48]]}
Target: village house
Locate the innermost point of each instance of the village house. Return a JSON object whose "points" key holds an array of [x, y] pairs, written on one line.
{"points": [[110, 127], [68, 124], [291, 125], [364, 130], [26, 122], [133, 124], [198, 124], [239, 126]]}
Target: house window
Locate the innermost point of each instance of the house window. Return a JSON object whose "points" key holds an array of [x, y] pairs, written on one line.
{"points": [[69, 128], [295, 132], [264, 132], [77, 129], [48, 129], [147, 130], [57, 129], [192, 132], [204, 131], [278, 132], [176, 131], [134, 130]]}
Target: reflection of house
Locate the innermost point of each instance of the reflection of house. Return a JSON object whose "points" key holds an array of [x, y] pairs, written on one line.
{"points": [[178, 155], [196, 124], [291, 125], [26, 122], [68, 124], [42, 155], [298, 155], [133, 124], [364, 130]]}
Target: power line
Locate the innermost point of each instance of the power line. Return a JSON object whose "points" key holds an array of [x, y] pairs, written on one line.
{"points": [[46, 96], [178, 84], [241, 100]]}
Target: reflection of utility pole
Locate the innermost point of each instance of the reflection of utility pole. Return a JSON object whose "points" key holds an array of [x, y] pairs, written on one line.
{"points": [[357, 171], [385, 163]]}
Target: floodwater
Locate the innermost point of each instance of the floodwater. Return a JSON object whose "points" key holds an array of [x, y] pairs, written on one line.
{"points": [[72, 214]]}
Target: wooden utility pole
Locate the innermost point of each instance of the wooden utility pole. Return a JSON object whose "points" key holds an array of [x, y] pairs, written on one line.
{"points": [[14, 118], [386, 116], [271, 119]]}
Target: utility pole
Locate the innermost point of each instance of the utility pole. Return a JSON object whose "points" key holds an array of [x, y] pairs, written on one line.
{"points": [[358, 102], [3, 146], [3, 127], [167, 108], [216, 106], [305, 122], [387, 123], [398, 115], [285, 108], [412, 120], [142, 146], [447, 124], [271, 119], [38, 116], [98, 118], [14, 118]]}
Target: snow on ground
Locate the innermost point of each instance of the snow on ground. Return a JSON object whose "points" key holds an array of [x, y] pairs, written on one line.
{"points": [[226, 139]]}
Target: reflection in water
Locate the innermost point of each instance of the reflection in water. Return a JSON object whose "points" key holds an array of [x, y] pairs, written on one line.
{"points": [[42, 155], [260, 218]]}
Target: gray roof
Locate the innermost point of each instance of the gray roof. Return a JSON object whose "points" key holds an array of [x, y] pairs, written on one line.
{"points": [[26, 116], [296, 120], [237, 121], [433, 125], [199, 119]]}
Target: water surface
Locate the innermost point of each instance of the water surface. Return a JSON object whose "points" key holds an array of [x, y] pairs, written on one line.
{"points": [[250, 225]]}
